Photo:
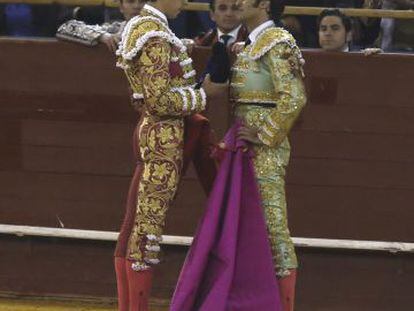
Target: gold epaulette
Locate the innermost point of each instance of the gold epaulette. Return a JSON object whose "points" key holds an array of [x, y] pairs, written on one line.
{"points": [[139, 30], [268, 39]]}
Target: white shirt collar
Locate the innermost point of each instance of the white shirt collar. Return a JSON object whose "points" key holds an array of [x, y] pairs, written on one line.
{"points": [[233, 34], [259, 29], [157, 12]]}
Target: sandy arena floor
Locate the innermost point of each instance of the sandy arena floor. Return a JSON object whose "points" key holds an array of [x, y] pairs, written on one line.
{"points": [[53, 305]]}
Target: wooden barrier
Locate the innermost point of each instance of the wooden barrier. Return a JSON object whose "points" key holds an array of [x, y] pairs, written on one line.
{"points": [[66, 128], [65, 160]]}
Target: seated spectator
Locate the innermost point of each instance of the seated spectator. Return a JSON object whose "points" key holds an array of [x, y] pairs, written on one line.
{"points": [[335, 33], [364, 30], [228, 30]]}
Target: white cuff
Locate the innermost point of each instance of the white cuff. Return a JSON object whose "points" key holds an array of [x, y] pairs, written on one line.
{"points": [[185, 62], [190, 74], [193, 98], [203, 98], [138, 96], [183, 94]]}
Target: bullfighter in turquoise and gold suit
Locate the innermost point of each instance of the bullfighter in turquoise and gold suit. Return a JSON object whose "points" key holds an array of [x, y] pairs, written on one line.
{"points": [[268, 94]]}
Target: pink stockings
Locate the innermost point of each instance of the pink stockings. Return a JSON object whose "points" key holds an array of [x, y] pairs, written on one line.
{"points": [[133, 287], [287, 291]]}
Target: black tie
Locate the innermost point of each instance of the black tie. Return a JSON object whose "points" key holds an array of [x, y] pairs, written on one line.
{"points": [[225, 39]]}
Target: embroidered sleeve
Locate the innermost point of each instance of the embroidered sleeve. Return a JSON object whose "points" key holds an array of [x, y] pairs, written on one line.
{"points": [[160, 98], [285, 66]]}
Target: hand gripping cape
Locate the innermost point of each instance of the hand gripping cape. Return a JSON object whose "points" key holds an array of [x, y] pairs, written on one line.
{"points": [[229, 266]]}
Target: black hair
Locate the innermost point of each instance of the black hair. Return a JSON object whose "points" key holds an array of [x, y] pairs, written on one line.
{"points": [[346, 21], [275, 10]]}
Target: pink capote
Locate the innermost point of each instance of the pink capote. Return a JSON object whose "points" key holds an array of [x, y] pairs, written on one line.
{"points": [[229, 266]]}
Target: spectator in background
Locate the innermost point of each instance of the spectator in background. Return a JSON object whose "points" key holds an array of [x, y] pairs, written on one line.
{"points": [[364, 30], [397, 34], [335, 33], [222, 38], [228, 30]]}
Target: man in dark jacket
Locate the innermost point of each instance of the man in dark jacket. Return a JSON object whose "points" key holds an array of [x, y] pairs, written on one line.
{"points": [[228, 30]]}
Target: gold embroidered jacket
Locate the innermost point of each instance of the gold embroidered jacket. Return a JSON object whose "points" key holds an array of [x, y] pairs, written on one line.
{"points": [[270, 71], [161, 73]]}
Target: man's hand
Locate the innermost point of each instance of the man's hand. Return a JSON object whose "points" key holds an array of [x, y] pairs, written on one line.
{"points": [[213, 89], [371, 51], [249, 135], [111, 41]]}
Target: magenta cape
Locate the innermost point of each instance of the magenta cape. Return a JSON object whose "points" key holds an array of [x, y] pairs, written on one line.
{"points": [[229, 266]]}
